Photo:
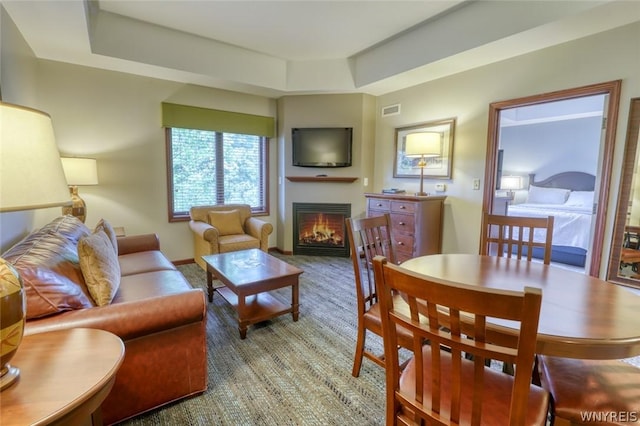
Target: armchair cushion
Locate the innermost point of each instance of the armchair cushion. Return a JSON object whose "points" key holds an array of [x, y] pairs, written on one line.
{"points": [[227, 222]]}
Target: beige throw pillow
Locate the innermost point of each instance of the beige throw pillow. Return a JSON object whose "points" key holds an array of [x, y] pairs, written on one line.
{"points": [[105, 226], [100, 267], [227, 222]]}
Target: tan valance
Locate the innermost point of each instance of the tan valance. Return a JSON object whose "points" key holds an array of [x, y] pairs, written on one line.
{"points": [[190, 117]]}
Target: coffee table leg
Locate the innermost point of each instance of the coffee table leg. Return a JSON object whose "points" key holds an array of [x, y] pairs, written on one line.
{"points": [[209, 285], [242, 324], [294, 301]]}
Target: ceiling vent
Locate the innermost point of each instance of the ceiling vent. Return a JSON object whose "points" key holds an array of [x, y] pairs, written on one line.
{"points": [[391, 110]]}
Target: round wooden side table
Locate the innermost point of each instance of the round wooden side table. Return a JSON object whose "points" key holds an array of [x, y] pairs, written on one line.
{"points": [[64, 377]]}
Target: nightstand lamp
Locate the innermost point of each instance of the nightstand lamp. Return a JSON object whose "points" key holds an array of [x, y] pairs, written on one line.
{"points": [[511, 183], [423, 145], [31, 177], [79, 171]]}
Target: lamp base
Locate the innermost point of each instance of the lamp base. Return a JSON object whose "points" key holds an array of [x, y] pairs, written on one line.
{"points": [[9, 376], [78, 208], [421, 194]]}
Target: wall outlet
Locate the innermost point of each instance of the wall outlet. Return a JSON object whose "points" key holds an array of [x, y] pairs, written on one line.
{"points": [[476, 184], [366, 181], [441, 187]]}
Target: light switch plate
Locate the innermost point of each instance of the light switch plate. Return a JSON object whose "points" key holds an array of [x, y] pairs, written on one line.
{"points": [[441, 187]]}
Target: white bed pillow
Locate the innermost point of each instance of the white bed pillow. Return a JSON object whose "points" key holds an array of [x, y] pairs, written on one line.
{"points": [[580, 199], [541, 195]]}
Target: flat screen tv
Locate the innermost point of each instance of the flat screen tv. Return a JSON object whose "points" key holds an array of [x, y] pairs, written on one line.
{"points": [[322, 146]]}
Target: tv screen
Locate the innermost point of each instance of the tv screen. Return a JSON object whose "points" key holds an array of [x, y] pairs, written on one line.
{"points": [[322, 147]]}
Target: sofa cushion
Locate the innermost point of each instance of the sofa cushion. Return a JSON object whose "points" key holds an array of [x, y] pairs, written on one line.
{"points": [[105, 226], [100, 266], [227, 222], [47, 261], [144, 261]]}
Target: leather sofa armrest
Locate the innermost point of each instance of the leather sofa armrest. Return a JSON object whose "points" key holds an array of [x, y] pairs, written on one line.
{"points": [[129, 320], [205, 231], [138, 243], [259, 229]]}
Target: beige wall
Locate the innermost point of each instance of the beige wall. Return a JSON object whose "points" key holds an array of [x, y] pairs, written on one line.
{"points": [[605, 57], [352, 110]]}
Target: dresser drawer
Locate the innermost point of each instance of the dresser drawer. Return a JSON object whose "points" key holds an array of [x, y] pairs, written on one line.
{"points": [[377, 204], [403, 223], [403, 242], [403, 207]]}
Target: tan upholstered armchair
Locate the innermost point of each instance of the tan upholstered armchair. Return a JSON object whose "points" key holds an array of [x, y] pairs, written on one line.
{"points": [[225, 228]]}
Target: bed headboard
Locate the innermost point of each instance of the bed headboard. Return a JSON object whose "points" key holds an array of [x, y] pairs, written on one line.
{"points": [[575, 181]]}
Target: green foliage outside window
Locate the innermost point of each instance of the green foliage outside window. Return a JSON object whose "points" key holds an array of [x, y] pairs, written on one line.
{"points": [[216, 168]]}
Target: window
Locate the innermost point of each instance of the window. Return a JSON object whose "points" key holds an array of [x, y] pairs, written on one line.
{"points": [[208, 167]]}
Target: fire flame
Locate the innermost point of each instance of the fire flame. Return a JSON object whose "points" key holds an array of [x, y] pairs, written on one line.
{"points": [[321, 232]]}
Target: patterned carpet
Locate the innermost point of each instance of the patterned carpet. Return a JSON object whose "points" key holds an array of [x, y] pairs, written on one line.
{"points": [[285, 372]]}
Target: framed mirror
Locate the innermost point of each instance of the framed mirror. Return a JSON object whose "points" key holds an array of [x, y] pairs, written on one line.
{"points": [[624, 262]]}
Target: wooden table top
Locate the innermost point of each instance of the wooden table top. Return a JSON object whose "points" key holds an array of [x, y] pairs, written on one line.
{"points": [[247, 267], [64, 377], [581, 316]]}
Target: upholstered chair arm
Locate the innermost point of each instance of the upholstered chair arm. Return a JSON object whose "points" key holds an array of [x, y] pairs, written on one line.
{"points": [[205, 231], [259, 229]]}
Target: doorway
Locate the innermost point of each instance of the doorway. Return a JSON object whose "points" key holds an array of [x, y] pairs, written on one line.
{"points": [[526, 152]]}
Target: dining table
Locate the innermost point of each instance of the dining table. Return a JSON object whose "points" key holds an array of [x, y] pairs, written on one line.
{"points": [[580, 317]]}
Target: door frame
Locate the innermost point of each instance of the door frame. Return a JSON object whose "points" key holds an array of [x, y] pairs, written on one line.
{"points": [[612, 89]]}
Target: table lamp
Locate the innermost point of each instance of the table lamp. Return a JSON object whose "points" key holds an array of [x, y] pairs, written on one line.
{"points": [[510, 183], [423, 145], [31, 177], [79, 171]]}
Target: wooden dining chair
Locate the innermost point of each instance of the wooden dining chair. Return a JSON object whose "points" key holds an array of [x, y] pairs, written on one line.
{"points": [[439, 385], [606, 390], [368, 237], [513, 236]]}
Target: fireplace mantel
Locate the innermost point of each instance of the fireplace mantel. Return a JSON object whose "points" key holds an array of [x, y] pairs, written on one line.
{"points": [[321, 179]]}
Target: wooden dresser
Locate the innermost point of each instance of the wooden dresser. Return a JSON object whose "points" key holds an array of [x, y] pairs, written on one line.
{"points": [[416, 222]]}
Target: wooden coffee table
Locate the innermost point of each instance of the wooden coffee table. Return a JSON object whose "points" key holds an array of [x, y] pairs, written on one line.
{"points": [[248, 276]]}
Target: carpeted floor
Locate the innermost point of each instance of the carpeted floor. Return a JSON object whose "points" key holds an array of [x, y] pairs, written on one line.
{"points": [[285, 372]]}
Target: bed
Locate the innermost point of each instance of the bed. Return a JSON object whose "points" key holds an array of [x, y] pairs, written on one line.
{"points": [[569, 198]]}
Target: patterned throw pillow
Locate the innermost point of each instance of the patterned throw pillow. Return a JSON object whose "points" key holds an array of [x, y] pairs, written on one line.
{"points": [[227, 222], [105, 226], [100, 267]]}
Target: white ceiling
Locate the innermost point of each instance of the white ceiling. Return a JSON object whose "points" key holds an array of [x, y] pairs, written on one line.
{"points": [[274, 48]]}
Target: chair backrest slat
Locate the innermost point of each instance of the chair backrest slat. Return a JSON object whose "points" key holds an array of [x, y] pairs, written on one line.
{"points": [[368, 237], [516, 236]]}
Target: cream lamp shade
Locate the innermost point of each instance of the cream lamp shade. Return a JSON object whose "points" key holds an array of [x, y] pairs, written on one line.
{"points": [[80, 171], [31, 175], [423, 144], [511, 182]]}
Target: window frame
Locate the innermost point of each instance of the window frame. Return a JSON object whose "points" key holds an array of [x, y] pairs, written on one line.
{"points": [[184, 216]]}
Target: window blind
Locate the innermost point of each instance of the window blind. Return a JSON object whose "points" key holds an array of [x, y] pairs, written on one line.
{"points": [[190, 117]]}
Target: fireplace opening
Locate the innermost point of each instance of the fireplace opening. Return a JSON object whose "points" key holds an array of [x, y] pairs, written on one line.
{"points": [[319, 229]]}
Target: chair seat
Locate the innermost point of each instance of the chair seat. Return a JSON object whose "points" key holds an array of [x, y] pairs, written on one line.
{"points": [[497, 396], [374, 322], [579, 387], [230, 243]]}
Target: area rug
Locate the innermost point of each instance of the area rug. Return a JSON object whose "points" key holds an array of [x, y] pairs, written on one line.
{"points": [[285, 372]]}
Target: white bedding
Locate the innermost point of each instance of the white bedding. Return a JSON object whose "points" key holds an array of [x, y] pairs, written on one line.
{"points": [[571, 224]]}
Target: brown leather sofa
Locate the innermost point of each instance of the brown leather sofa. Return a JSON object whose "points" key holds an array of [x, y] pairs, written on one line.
{"points": [[155, 311]]}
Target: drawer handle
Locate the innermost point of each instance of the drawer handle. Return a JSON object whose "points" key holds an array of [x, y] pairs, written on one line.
{"points": [[379, 205], [400, 243], [401, 223], [402, 207]]}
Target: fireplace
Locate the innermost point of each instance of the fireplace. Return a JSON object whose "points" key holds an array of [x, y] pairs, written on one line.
{"points": [[319, 229]]}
